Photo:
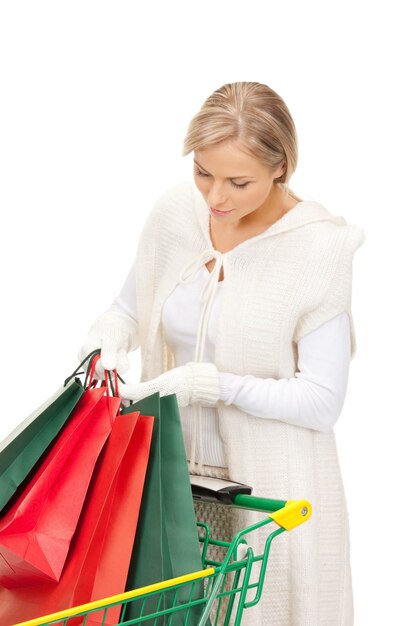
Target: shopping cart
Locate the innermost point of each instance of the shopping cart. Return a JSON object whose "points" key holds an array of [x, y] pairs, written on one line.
{"points": [[217, 595]]}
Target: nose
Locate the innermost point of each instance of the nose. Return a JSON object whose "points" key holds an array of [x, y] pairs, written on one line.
{"points": [[216, 195]]}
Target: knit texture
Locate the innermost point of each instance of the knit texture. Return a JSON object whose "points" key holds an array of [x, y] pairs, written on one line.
{"points": [[278, 286], [204, 382]]}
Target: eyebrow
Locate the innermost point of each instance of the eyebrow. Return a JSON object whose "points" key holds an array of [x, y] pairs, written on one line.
{"points": [[228, 177]]}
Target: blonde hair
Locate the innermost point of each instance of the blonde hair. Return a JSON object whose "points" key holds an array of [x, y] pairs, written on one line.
{"points": [[255, 115]]}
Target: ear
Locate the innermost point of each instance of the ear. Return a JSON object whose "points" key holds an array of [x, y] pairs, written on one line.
{"points": [[280, 170]]}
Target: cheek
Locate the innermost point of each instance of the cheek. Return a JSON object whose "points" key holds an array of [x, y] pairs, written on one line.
{"points": [[250, 199]]}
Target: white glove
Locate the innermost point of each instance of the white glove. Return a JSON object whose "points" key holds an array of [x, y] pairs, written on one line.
{"points": [[193, 382], [115, 334]]}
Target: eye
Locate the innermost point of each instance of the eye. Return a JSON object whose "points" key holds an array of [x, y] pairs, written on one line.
{"points": [[200, 173], [241, 186]]}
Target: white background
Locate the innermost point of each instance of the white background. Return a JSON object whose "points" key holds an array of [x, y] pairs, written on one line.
{"points": [[95, 102]]}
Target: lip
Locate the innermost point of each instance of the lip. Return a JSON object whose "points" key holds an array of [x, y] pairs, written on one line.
{"points": [[218, 212]]}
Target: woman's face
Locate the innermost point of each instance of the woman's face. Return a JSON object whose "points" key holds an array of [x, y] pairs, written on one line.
{"points": [[235, 184]]}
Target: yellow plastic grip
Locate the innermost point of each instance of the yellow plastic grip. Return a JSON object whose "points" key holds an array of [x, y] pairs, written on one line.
{"points": [[294, 513]]}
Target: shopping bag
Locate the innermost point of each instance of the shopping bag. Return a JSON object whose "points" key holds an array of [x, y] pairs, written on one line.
{"points": [[23, 448], [166, 543], [36, 531], [99, 555], [116, 550]]}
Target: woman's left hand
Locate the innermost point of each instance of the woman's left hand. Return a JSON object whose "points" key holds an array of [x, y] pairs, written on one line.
{"points": [[193, 382]]}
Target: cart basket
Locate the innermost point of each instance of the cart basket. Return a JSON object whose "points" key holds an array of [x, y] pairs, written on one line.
{"points": [[231, 585]]}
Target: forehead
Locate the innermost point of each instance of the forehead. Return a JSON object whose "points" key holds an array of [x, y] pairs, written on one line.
{"points": [[228, 159]]}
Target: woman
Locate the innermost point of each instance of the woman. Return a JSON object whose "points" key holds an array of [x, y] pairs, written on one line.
{"points": [[240, 300]]}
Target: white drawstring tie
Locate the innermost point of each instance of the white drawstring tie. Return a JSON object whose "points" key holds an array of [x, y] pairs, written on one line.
{"points": [[207, 298]]}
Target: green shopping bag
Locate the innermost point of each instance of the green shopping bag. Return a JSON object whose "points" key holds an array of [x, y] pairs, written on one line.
{"points": [[23, 448], [166, 543]]}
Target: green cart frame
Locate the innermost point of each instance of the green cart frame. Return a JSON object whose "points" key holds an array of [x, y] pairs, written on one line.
{"points": [[225, 583]]}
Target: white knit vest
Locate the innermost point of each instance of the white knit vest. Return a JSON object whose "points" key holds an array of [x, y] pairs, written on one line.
{"points": [[278, 286]]}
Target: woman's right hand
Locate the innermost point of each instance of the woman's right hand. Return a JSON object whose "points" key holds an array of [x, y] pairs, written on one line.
{"points": [[113, 333]]}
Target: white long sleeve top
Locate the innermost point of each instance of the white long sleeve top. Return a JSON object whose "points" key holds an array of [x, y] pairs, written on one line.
{"points": [[313, 398]]}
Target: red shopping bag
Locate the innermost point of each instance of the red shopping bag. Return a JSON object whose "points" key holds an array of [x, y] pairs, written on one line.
{"points": [[36, 532], [99, 555], [116, 551]]}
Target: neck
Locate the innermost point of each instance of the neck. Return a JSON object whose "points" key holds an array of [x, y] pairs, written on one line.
{"points": [[277, 204]]}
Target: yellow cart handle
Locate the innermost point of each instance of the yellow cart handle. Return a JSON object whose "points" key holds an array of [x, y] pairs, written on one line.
{"points": [[287, 514]]}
